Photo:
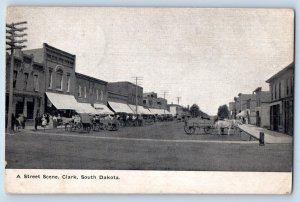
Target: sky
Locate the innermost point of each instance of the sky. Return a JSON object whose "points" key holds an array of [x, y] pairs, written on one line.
{"points": [[203, 56]]}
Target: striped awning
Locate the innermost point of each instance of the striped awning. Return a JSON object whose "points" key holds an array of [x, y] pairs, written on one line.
{"points": [[140, 109], [120, 107]]}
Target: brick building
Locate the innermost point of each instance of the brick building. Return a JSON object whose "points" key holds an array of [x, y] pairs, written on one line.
{"points": [[28, 85], [282, 100], [119, 91], [59, 74], [150, 100]]}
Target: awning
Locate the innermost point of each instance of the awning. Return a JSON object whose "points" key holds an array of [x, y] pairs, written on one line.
{"points": [[85, 108], [120, 107], [62, 101], [242, 114], [140, 109], [102, 109], [159, 111]]}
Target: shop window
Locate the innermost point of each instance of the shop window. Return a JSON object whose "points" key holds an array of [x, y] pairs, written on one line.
{"points": [[84, 91], [101, 95], [97, 94]]}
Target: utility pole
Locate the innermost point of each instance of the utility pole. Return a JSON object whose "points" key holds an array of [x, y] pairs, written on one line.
{"points": [[178, 98], [12, 34], [136, 78], [164, 94]]}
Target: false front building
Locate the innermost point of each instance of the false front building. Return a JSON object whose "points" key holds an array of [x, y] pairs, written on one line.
{"points": [[282, 103]]}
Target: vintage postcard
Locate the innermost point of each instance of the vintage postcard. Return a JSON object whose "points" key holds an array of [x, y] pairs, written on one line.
{"points": [[149, 100]]}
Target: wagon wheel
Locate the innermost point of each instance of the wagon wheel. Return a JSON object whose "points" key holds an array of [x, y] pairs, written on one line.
{"points": [[207, 130], [189, 129]]}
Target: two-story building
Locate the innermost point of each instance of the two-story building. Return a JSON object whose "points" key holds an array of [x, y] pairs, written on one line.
{"points": [[245, 107], [59, 82], [151, 100], [93, 92], [28, 85], [282, 100], [262, 109]]}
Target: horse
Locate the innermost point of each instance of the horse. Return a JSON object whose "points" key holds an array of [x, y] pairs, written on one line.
{"points": [[227, 123]]}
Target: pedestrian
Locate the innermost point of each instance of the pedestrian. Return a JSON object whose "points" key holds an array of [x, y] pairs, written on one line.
{"points": [[37, 121]]}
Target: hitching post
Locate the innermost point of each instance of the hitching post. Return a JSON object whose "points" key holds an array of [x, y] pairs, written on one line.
{"points": [[261, 139]]}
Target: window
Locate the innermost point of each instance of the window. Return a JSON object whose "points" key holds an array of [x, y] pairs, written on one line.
{"points": [[287, 86], [35, 82], [275, 90], [97, 94], [68, 82], [79, 91], [101, 96], [15, 78], [84, 91], [50, 79], [279, 90], [292, 86], [25, 80], [59, 74]]}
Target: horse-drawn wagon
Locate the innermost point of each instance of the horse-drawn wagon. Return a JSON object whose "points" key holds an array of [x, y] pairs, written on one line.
{"points": [[192, 124]]}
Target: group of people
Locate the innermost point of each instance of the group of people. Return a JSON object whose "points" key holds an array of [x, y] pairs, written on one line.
{"points": [[18, 122]]}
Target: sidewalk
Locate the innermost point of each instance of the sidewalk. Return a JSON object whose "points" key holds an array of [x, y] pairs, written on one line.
{"points": [[270, 136]]}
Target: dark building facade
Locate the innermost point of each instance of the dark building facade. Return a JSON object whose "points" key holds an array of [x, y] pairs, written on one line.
{"points": [[59, 72], [90, 90], [282, 100], [28, 85], [150, 100], [120, 91]]}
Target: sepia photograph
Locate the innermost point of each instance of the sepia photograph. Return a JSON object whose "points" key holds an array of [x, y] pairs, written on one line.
{"points": [[148, 89]]}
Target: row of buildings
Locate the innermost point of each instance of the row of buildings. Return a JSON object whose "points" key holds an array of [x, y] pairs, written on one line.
{"points": [[271, 109], [45, 80]]}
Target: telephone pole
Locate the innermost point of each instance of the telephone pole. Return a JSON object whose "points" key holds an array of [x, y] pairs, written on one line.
{"points": [[164, 94], [136, 78], [178, 98], [13, 32]]}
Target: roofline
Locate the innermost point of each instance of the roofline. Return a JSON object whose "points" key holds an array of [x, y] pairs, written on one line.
{"points": [[47, 45], [278, 74], [89, 77]]}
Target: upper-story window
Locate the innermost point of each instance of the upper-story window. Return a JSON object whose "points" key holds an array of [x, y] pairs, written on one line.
{"points": [[287, 83], [84, 91], [279, 90], [50, 79], [35, 82], [292, 86], [275, 90], [59, 76], [68, 82], [15, 78], [79, 91], [26, 75], [101, 95], [97, 94]]}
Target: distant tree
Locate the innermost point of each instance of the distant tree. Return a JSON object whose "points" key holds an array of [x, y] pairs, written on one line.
{"points": [[194, 110], [223, 112]]}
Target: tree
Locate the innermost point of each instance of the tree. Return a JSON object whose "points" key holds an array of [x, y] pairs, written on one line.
{"points": [[194, 110], [223, 112]]}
